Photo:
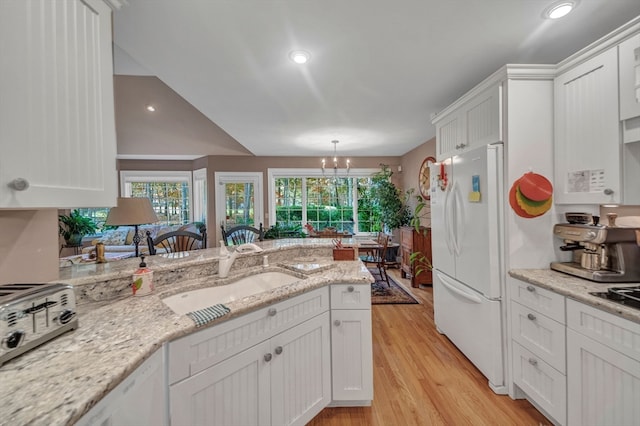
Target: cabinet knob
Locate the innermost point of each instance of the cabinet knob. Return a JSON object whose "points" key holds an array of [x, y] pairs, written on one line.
{"points": [[350, 289], [19, 184], [608, 191], [268, 357], [533, 362], [337, 323], [272, 312], [531, 288], [458, 146], [278, 350], [531, 317]]}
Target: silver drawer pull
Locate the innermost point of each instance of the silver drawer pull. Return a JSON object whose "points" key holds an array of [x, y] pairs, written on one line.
{"points": [[272, 312], [531, 317], [337, 323], [278, 350], [268, 357], [350, 289], [531, 288], [533, 362], [19, 184]]}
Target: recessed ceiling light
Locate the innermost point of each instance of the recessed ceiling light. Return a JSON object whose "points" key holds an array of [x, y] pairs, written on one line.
{"points": [[151, 108], [299, 56], [559, 9]]}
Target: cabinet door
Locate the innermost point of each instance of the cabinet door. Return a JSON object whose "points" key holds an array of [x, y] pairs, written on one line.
{"points": [[351, 355], [449, 132], [629, 59], [587, 135], [482, 116], [57, 111], [603, 385], [235, 392], [300, 372]]}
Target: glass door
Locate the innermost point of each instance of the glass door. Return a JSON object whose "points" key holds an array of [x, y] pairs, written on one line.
{"points": [[239, 199]]}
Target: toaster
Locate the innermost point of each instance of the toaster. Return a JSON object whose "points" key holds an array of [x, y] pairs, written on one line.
{"points": [[32, 314]]}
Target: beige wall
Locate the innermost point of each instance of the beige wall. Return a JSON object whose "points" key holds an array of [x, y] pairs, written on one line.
{"points": [[28, 246], [411, 163]]}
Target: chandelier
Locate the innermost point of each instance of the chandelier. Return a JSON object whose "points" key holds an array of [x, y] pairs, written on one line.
{"points": [[335, 161]]}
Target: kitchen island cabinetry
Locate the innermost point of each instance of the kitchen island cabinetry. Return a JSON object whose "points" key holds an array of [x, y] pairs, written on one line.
{"points": [[587, 135], [271, 366], [603, 367], [57, 105], [412, 241]]}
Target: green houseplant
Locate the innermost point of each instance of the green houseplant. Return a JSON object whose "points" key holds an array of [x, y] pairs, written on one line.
{"points": [[394, 211], [418, 258], [74, 226]]}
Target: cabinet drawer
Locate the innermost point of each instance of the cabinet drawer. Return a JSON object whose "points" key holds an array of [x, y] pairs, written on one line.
{"points": [[539, 334], [544, 385], [616, 332], [350, 296], [191, 354], [543, 301]]}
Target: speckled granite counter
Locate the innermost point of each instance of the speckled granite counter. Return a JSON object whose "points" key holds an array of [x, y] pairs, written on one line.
{"points": [[56, 383], [578, 289]]}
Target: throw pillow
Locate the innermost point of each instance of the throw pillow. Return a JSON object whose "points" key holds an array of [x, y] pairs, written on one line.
{"points": [[114, 237]]}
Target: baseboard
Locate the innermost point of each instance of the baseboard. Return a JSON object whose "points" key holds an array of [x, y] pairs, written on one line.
{"points": [[366, 403]]}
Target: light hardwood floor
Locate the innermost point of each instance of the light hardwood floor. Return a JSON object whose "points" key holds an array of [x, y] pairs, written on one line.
{"points": [[421, 378]]}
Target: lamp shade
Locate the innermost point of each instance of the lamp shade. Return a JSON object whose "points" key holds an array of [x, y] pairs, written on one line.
{"points": [[131, 211]]}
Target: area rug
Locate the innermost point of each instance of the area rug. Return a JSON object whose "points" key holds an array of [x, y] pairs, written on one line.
{"points": [[382, 294]]}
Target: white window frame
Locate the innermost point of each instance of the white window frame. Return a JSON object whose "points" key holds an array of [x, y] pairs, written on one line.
{"points": [[129, 176], [199, 190], [273, 174], [255, 178]]}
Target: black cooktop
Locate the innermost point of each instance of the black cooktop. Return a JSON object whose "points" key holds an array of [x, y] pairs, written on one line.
{"points": [[628, 296]]}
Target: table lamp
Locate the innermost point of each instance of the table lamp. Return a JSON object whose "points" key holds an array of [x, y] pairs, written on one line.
{"points": [[132, 212]]}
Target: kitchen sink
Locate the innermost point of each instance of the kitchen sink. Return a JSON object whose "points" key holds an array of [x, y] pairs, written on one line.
{"points": [[193, 300]]}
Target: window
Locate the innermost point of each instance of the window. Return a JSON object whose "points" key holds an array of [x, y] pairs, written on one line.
{"points": [[170, 193], [305, 196], [238, 198], [98, 215]]}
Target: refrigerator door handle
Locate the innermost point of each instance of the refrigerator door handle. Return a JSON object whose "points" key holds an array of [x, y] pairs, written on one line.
{"points": [[455, 212], [467, 296], [460, 215], [447, 220]]}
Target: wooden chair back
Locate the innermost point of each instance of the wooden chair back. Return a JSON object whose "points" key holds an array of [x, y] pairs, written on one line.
{"points": [[242, 234], [175, 241]]}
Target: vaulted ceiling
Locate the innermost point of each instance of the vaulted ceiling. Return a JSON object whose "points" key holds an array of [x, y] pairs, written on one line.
{"points": [[378, 68]]}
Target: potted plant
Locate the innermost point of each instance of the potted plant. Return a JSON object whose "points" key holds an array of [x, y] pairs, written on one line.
{"points": [[75, 226], [394, 211]]}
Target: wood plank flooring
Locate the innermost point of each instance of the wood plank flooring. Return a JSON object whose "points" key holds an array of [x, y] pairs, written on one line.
{"points": [[421, 378]]}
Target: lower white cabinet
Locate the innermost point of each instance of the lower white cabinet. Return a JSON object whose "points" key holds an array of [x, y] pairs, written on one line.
{"points": [[141, 399], [282, 381], [603, 367], [351, 345]]}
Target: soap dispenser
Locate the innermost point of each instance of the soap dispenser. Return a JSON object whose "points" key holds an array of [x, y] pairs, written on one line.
{"points": [[142, 280]]}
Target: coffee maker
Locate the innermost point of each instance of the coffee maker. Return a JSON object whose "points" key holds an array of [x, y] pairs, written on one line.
{"points": [[607, 254]]}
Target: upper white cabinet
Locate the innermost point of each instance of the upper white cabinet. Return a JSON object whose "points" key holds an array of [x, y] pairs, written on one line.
{"points": [[474, 123], [629, 56], [57, 129], [587, 135]]}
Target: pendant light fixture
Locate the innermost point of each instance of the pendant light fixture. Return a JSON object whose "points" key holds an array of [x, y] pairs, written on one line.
{"points": [[335, 161]]}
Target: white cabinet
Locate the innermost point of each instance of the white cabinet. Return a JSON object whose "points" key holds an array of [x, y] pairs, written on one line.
{"points": [[629, 69], [57, 130], [587, 135], [474, 123], [283, 381], [351, 345], [603, 367], [538, 342], [141, 399]]}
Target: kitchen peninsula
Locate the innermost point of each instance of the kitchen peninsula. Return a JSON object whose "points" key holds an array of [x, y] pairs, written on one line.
{"points": [[60, 381]]}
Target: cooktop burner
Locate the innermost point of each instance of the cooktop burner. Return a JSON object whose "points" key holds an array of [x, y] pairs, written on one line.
{"points": [[628, 296]]}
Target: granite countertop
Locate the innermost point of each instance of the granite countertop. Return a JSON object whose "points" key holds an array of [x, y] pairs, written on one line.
{"points": [[59, 381], [578, 289]]}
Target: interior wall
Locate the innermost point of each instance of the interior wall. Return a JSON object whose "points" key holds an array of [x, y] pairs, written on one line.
{"points": [[28, 246], [411, 163]]}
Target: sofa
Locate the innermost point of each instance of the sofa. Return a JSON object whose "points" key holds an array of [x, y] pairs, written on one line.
{"points": [[120, 240]]}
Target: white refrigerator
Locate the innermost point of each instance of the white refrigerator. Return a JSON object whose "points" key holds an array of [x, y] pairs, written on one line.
{"points": [[467, 226]]}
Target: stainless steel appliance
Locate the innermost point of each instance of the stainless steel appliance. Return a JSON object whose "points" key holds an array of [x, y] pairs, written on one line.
{"points": [[32, 314], [600, 253], [629, 296]]}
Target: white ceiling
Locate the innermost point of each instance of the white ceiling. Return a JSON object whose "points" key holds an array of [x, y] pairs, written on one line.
{"points": [[378, 68]]}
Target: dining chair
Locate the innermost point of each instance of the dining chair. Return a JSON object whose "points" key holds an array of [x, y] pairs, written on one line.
{"points": [[242, 234], [175, 241], [377, 257]]}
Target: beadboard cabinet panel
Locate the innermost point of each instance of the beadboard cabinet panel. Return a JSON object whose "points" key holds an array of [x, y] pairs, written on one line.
{"points": [[57, 109]]}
